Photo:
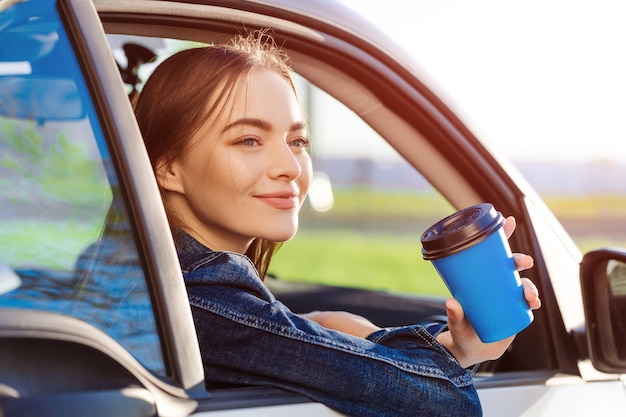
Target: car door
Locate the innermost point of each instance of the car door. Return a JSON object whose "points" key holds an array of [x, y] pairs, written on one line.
{"points": [[78, 319]]}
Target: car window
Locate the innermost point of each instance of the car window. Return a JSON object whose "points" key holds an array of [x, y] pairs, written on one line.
{"points": [[66, 242], [366, 208]]}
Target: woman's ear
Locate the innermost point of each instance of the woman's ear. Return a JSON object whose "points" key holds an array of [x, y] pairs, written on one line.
{"points": [[169, 178]]}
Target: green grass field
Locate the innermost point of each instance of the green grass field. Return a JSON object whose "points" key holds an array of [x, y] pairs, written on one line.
{"points": [[350, 258]]}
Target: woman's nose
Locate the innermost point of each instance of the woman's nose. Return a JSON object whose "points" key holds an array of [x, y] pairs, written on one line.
{"points": [[283, 162]]}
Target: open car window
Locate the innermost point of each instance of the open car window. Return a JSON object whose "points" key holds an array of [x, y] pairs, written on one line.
{"points": [[367, 205], [66, 241], [358, 245]]}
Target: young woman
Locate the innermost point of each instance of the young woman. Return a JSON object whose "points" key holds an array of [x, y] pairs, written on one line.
{"points": [[228, 143]]}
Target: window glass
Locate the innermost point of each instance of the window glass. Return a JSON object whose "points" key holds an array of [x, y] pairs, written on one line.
{"points": [[66, 244]]}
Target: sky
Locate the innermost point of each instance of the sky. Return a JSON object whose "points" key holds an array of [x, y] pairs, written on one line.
{"points": [[535, 79]]}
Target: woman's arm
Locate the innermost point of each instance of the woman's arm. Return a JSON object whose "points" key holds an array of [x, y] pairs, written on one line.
{"points": [[344, 322], [246, 337]]}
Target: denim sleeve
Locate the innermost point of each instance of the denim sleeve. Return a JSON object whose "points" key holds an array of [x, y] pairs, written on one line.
{"points": [[393, 337], [247, 339]]}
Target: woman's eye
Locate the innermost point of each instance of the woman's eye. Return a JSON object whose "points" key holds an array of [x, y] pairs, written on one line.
{"points": [[249, 142], [300, 142]]}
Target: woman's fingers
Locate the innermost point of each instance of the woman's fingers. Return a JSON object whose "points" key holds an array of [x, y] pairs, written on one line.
{"points": [[509, 226], [523, 261], [531, 293], [454, 310]]}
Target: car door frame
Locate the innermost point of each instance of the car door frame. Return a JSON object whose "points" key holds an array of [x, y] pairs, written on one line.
{"points": [[139, 188]]}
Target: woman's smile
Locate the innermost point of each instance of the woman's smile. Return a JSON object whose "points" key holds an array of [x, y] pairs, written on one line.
{"points": [[283, 200]]}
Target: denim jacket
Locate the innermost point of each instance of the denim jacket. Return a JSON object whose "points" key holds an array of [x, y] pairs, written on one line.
{"points": [[248, 337]]}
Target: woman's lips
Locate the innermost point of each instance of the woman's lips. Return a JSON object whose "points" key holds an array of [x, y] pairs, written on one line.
{"points": [[282, 201]]}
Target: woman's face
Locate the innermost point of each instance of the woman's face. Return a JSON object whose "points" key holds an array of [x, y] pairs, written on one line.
{"points": [[246, 174]]}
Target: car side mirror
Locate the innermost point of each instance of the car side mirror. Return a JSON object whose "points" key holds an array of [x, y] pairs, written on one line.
{"points": [[603, 282]]}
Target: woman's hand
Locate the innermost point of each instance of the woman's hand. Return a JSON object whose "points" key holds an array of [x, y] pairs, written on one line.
{"points": [[462, 340]]}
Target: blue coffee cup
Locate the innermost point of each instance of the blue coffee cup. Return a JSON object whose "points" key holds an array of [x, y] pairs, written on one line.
{"points": [[471, 253]]}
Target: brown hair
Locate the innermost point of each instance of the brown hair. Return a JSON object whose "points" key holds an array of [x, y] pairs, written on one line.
{"points": [[172, 106]]}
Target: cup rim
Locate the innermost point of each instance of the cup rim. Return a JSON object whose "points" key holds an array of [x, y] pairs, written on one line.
{"points": [[460, 230]]}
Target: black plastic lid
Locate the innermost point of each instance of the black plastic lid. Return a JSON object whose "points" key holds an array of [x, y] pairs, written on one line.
{"points": [[460, 230]]}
